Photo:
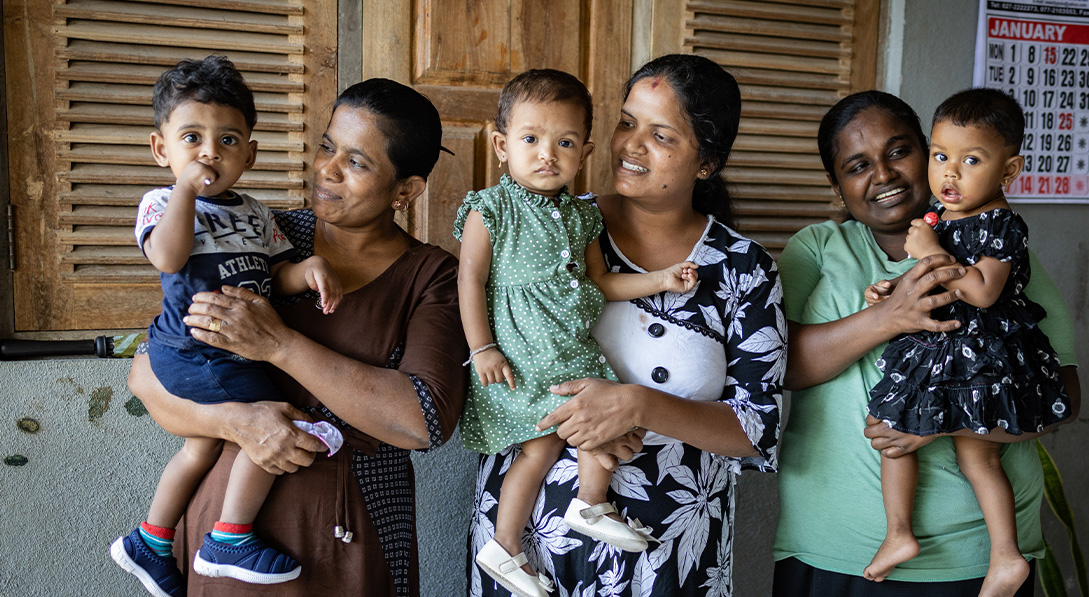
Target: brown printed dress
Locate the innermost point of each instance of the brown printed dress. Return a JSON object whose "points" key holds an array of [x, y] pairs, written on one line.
{"points": [[407, 319]]}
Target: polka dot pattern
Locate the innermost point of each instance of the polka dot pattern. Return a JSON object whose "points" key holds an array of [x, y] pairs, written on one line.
{"points": [[541, 306]]}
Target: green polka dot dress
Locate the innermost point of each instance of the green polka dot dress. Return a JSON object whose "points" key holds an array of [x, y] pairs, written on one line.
{"points": [[541, 306]]}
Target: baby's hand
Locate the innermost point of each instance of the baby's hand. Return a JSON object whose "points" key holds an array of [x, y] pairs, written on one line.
{"points": [[876, 293], [679, 278], [492, 367], [921, 241], [197, 176], [321, 278]]}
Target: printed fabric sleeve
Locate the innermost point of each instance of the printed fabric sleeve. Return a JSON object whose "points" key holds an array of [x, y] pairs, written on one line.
{"points": [[1058, 325], [800, 270], [1002, 235], [434, 346], [151, 210], [482, 203], [279, 247], [756, 357]]}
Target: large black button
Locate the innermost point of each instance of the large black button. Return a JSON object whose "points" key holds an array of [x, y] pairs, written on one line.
{"points": [[656, 330], [660, 374]]}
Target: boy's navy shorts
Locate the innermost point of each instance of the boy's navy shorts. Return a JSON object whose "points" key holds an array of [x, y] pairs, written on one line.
{"points": [[210, 375]]}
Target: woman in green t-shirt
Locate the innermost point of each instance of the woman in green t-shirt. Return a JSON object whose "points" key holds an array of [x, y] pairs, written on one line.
{"points": [[831, 516]]}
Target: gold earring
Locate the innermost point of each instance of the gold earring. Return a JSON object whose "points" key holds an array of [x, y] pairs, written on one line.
{"points": [[703, 172], [397, 205], [842, 203]]}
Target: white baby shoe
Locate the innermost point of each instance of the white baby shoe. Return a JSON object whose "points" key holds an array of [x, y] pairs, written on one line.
{"points": [[507, 571], [592, 521]]}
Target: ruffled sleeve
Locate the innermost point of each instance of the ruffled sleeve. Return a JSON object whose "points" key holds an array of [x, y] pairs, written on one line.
{"points": [[482, 202], [593, 224], [1000, 234]]}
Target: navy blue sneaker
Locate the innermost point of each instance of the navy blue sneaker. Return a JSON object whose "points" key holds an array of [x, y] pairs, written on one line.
{"points": [[253, 562], [159, 575]]}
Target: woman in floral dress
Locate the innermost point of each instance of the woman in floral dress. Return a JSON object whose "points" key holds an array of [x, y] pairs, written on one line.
{"points": [[701, 371]]}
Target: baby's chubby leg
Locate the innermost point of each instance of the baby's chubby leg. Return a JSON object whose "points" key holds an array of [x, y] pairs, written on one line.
{"points": [[520, 488], [899, 477], [981, 463], [594, 481], [591, 514], [180, 480]]}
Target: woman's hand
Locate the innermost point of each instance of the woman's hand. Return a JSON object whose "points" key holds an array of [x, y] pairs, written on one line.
{"points": [[909, 304], [599, 412], [239, 321], [892, 443], [267, 435], [263, 429]]}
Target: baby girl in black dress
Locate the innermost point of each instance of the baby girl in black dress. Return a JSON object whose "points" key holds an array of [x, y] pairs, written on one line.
{"points": [[998, 369]]}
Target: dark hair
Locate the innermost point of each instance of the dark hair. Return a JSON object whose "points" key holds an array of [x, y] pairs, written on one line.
{"points": [[544, 85], [987, 108], [712, 101], [213, 80], [409, 121], [840, 115]]}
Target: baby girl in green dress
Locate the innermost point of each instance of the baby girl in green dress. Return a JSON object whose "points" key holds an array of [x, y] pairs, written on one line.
{"points": [[532, 282]]}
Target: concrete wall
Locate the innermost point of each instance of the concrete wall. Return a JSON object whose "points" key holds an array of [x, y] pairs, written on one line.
{"points": [[91, 470]]}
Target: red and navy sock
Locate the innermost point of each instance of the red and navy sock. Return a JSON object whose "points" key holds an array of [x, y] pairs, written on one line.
{"points": [[233, 534], [160, 540]]}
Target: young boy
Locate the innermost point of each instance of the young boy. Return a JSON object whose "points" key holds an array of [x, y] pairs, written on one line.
{"points": [[202, 235]]}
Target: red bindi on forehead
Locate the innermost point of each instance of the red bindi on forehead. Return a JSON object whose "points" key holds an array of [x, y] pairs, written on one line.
{"points": [[654, 83]]}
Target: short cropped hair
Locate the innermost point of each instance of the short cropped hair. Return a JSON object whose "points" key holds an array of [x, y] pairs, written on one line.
{"points": [[988, 108], [544, 85], [408, 121], [213, 80]]}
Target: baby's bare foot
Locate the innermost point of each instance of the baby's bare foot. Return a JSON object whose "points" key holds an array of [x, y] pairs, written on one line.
{"points": [[1005, 574], [894, 550]]}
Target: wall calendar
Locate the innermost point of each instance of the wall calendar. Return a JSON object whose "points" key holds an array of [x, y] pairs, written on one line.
{"points": [[1038, 52]]}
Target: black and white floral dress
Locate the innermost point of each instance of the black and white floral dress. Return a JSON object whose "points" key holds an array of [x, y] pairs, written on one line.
{"points": [[724, 340], [997, 370]]}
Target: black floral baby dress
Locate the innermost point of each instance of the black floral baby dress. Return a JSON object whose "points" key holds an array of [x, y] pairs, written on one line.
{"points": [[997, 370]]}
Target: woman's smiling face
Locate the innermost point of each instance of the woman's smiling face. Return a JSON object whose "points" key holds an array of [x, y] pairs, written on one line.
{"points": [[354, 180], [881, 171], [654, 149]]}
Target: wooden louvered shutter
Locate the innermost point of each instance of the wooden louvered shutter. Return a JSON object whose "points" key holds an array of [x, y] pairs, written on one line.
{"points": [[793, 59], [89, 118]]}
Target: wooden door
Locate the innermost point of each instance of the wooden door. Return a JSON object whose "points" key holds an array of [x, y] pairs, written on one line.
{"points": [[460, 54]]}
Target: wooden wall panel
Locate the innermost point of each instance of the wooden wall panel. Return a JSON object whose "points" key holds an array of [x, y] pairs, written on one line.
{"points": [[81, 100], [793, 59]]}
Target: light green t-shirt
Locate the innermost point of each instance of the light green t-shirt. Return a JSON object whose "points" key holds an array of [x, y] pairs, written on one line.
{"points": [[831, 515]]}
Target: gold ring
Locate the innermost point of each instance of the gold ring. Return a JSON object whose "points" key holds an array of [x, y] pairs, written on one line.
{"points": [[215, 326]]}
